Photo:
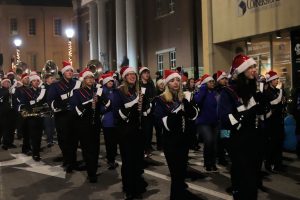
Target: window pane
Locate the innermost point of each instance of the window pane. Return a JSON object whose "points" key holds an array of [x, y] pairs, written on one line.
{"points": [[164, 7], [32, 26], [57, 27], [13, 26]]}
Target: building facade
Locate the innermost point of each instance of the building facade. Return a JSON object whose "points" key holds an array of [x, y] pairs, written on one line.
{"points": [[159, 34], [266, 30], [41, 29]]}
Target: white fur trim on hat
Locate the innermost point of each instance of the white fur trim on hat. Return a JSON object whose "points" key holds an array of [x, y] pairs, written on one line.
{"points": [[245, 65], [143, 69], [107, 79], [171, 76], [64, 69], [34, 77], [268, 78], [160, 81], [207, 79], [85, 74], [223, 75], [4, 80], [127, 71]]}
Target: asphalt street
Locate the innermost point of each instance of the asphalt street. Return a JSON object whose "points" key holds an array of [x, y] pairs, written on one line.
{"points": [[21, 178]]}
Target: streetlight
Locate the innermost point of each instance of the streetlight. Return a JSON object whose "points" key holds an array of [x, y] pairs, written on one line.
{"points": [[70, 34], [18, 43]]}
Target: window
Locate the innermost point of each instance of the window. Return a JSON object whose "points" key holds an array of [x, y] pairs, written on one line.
{"points": [[32, 60], [57, 27], [165, 7], [13, 26], [172, 56], [160, 63], [32, 26]]}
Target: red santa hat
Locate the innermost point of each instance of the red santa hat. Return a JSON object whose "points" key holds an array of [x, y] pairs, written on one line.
{"points": [[126, 70], [221, 74], [205, 79], [33, 73], [241, 63], [86, 72], [143, 69], [5, 79], [107, 77], [271, 75], [10, 72], [170, 74], [25, 75], [66, 66], [34, 77]]}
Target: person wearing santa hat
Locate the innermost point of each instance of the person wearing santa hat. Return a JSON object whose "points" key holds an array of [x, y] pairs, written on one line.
{"points": [[147, 117], [85, 104], [5, 109], [274, 125], [238, 115], [108, 125], [221, 79], [174, 112], [127, 110], [32, 97], [58, 98], [206, 122]]}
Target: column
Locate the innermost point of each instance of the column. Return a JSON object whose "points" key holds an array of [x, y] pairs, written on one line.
{"points": [[207, 36], [120, 32], [102, 33], [131, 33], [93, 31]]}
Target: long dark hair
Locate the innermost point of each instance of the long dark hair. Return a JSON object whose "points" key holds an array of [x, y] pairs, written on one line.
{"points": [[245, 88]]}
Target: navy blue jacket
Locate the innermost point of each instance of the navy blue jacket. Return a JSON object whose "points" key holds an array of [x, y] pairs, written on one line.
{"points": [[31, 98], [60, 93], [4, 101], [106, 107]]}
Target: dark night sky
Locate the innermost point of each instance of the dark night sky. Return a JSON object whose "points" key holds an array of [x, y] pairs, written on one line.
{"points": [[64, 3]]}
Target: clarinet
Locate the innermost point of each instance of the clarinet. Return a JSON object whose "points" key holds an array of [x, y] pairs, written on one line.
{"points": [[140, 104], [94, 108]]}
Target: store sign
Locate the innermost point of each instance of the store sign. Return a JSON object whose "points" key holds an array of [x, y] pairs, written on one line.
{"points": [[245, 6]]}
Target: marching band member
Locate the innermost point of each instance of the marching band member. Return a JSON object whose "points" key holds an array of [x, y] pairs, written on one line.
{"points": [[58, 98], [274, 124], [238, 114], [147, 117], [21, 126], [173, 112], [5, 108], [108, 125], [33, 97], [85, 105], [127, 109]]}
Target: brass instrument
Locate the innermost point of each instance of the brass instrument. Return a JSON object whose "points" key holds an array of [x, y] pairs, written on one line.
{"points": [[50, 68], [96, 67], [38, 111], [20, 68]]}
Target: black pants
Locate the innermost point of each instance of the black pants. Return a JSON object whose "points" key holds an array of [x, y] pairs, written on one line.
{"points": [[10, 126], [147, 130], [67, 137], [89, 138], [176, 148], [35, 129], [111, 143], [158, 133], [245, 164], [132, 155], [25, 134]]}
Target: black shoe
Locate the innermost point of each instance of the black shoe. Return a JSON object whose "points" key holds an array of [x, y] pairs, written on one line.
{"points": [[4, 147], [68, 169], [214, 168], [263, 189], [36, 158], [112, 165], [80, 167], [223, 162], [93, 179], [50, 144], [138, 196], [58, 159], [229, 190], [128, 196]]}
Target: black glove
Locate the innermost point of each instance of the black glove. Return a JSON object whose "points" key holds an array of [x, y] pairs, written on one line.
{"points": [[27, 107], [175, 122], [189, 110]]}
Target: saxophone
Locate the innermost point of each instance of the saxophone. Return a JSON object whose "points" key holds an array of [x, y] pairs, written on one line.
{"points": [[38, 111]]}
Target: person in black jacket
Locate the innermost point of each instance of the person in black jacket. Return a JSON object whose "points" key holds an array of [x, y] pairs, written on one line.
{"points": [[128, 108], [147, 117], [174, 112], [274, 124]]}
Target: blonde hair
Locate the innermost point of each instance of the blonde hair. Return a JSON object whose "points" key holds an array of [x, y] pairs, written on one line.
{"points": [[124, 87], [168, 96]]}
